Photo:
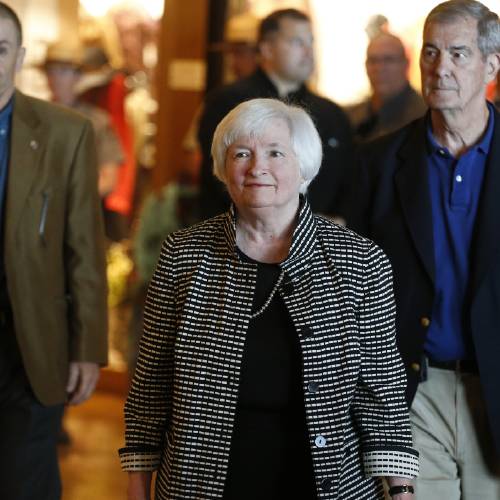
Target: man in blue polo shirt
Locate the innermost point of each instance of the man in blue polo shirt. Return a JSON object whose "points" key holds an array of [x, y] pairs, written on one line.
{"points": [[429, 195]]}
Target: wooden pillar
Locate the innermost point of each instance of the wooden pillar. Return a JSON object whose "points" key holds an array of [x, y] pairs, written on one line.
{"points": [[180, 81], [216, 23]]}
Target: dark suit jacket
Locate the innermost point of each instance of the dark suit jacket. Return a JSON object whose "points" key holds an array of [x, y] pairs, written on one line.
{"points": [[326, 192], [53, 245], [393, 207]]}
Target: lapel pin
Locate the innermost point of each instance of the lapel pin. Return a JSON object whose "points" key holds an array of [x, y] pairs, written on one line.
{"points": [[34, 145]]}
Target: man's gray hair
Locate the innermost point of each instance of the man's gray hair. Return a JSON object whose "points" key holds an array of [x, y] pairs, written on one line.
{"points": [[488, 25], [251, 118]]}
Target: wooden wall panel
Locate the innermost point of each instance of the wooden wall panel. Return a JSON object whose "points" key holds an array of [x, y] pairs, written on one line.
{"points": [[180, 81]]}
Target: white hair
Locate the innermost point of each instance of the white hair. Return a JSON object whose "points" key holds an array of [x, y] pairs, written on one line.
{"points": [[250, 119], [488, 25]]}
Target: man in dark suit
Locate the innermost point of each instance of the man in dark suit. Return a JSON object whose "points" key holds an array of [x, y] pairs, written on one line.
{"points": [[52, 273], [286, 62], [429, 195], [393, 101]]}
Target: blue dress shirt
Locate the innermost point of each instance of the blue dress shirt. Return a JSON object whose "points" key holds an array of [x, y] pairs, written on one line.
{"points": [[5, 121], [455, 187]]}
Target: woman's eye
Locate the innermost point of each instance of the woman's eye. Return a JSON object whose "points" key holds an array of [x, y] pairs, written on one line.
{"points": [[276, 154], [241, 154]]}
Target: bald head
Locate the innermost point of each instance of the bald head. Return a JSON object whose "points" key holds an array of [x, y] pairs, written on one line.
{"points": [[386, 43], [386, 66]]}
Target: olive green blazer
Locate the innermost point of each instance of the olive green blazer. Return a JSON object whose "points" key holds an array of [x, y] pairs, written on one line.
{"points": [[54, 245]]}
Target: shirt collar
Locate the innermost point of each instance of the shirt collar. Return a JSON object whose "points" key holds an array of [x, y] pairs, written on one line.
{"points": [[303, 239], [7, 110], [482, 146], [294, 97]]}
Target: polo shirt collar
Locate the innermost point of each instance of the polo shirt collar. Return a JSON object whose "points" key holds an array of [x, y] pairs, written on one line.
{"points": [[482, 146]]}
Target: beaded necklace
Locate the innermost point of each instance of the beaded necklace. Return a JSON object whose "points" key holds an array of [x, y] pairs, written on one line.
{"points": [[270, 298]]}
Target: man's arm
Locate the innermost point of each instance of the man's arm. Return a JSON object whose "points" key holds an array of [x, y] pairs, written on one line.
{"points": [[357, 205], [85, 270]]}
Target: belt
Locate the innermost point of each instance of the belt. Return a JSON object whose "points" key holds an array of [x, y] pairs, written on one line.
{"points": [[457, 365]]}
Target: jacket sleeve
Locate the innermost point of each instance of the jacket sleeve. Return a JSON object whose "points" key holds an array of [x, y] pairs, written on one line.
{"points": [[379, 405], [85, 256], [358, 199], [149, 403]]}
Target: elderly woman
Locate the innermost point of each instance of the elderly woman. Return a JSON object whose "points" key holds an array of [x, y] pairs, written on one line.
{"points": [[268, 367]]}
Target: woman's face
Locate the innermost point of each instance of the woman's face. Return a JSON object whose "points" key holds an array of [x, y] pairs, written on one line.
{"points": [[263, 172]]}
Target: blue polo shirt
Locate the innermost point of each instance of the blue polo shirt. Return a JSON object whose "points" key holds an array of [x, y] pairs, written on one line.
{"points": [[5, 120], [455, 187]]}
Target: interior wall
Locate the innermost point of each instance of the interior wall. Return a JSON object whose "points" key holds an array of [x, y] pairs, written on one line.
{"points": [[180, 81]]}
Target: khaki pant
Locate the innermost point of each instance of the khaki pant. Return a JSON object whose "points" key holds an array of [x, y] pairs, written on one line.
{"points": [[450, 431]]}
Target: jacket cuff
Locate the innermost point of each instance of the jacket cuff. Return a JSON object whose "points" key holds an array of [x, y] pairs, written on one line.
{"points": [[390, 461], [136, 460]]}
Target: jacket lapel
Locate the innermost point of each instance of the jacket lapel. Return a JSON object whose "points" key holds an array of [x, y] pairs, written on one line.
{"points": [[412, 184], [486, 240], [25, 150]]}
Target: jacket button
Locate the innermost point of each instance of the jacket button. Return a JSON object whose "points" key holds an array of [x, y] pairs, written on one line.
{"points": [[326, 484], [313, 387], [425, 321], [306, 332], [415, 367], [320, 441]]}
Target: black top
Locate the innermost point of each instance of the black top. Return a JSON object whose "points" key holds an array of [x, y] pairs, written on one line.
{"points": [[270, 456], [327, 191]]}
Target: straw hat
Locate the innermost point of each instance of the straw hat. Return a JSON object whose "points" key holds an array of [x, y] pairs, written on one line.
{"points": [[68, 53], [96, 69]]}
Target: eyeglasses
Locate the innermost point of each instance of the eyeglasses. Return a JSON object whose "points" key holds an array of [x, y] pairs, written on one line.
{"points": [[385, 60]]}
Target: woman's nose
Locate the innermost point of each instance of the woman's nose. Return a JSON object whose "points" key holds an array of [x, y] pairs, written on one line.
{"points": [[257, 166]]}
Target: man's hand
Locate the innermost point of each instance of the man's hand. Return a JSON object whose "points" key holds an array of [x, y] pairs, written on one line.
{"points": [[82, 380]]}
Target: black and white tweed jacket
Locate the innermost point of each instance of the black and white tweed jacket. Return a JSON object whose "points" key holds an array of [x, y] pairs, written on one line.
{"points": [[181, 407]]}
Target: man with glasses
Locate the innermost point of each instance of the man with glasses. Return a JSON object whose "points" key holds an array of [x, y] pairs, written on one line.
{"points": [[393, 102]]}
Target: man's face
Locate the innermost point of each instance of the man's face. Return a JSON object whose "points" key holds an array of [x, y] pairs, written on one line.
{"points": [[386, 66], [11, 57], [454, 72], [62, 80], [243, 60], [289, 52]]}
